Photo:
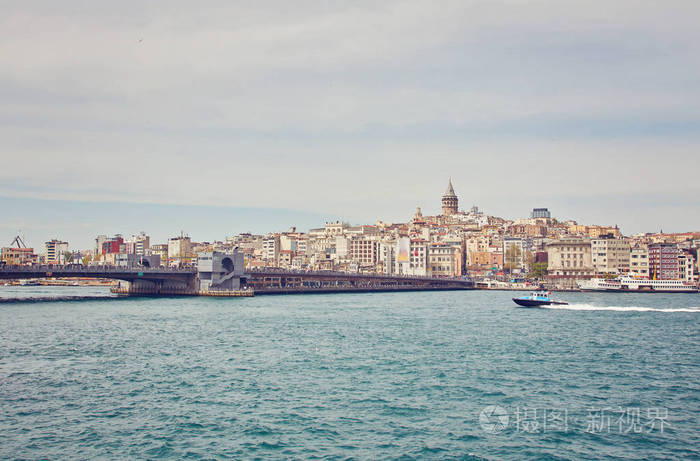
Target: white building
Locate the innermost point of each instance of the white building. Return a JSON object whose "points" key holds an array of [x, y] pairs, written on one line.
{"points": [[416, 261], [686, 267], [56, 252], [610, 255], [288, 242], [142, 243], [387, 256], [342, 246], [179, 250], [271, 249]]}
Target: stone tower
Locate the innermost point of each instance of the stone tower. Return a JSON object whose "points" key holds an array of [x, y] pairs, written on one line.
{"points": [[450, 201]]}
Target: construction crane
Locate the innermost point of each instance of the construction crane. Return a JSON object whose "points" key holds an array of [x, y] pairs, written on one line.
{"points": [[20, 243]]}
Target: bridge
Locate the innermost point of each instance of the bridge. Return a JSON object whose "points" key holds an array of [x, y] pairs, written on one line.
{"points": [[186, 281], [270, 280], [142, 280]]}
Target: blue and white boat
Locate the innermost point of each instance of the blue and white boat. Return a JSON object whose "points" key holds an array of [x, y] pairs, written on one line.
{"points": [[536, 299]]}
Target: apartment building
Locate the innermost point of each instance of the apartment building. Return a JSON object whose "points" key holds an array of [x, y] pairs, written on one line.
{"points": [[364, 251], [56, 251], [610, 255], [663, 261], [444, 260], [569, 260], [18, 256], [686, 266], [271, 249], [639, 261], [180, 250]]}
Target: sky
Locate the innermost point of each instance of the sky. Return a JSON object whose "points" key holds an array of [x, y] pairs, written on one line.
{"points": [[267, 114]]}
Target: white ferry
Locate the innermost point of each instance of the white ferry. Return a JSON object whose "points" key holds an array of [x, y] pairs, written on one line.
{"points": [[628, 284]]}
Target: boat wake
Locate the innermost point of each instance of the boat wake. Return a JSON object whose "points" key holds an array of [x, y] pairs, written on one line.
{"points": [[591, 307]]}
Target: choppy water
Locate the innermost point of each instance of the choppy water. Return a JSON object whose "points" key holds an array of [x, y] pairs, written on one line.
{"points": [[360, 376]]}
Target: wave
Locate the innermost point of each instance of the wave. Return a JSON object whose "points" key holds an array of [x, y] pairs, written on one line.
{"points": [[591, 307]]}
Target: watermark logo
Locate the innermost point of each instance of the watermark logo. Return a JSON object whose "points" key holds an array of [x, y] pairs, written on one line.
{"points": [[493, 419]]}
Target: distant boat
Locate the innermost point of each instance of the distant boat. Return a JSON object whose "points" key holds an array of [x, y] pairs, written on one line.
{"points": [[29, 283], [631, 284], [536, 299]]}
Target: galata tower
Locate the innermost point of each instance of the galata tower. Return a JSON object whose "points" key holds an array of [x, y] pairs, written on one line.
{"points": [[450, 201]]}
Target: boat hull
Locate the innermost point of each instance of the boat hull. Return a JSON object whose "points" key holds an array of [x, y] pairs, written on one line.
{"points": [[535, 303], [637, 290]]}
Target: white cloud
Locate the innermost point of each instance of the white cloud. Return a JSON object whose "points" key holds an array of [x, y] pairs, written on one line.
{"points": [[360, 107]]}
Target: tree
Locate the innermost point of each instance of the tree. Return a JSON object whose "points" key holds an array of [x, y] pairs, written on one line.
{"points": [[539, 270], [529, 259], [512, 257]]}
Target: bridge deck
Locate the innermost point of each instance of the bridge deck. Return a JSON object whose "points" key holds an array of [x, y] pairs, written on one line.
{"points": [[162, 280]]}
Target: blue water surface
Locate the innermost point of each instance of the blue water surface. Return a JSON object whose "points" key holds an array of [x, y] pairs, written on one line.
{"points": [[429, 375]]}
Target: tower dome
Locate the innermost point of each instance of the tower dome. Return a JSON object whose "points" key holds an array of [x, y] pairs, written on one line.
{"points": [[450, 202]]}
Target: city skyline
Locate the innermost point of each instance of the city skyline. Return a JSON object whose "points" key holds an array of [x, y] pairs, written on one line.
{"points": [[357, 110], [33, 218]]}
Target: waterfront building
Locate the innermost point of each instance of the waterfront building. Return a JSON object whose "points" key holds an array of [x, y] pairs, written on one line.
{"points": [[639, 261], [610, 255], [686, 266], [663, 261], [569, 260], [56, 251], [450, 202]]}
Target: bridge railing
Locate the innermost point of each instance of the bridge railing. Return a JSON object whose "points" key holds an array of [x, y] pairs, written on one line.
{"points": [[279, 270], [93, 269]]}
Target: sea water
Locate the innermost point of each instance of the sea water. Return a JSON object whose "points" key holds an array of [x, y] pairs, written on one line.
{"points": [[425, 375]]}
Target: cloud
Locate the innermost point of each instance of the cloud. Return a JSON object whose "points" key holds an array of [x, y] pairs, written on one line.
{"points": [[360, 107]]}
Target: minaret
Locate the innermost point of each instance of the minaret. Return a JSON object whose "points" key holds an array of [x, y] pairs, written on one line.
{"points": [[449, 201]]}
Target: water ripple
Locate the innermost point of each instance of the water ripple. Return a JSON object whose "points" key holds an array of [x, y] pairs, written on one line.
{"points": [[356, 376]]}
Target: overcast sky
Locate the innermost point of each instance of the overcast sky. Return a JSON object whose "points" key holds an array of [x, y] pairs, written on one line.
{"points": [[359, 110]]}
